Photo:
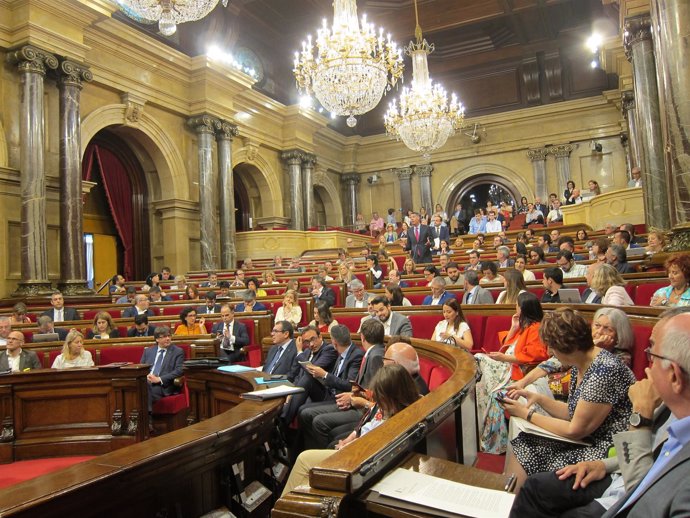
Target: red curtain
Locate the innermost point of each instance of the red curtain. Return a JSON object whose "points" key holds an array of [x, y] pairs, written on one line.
{"points": [[118, 192]]}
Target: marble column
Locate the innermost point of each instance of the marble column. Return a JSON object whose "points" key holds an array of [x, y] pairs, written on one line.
{"points": [[671, 21], [424, 173], [404, 175], [308, 163], [351, 182], [640, 51], [72, 259], [32, 64], [226, 189], [630, 115], [538, 159], [562, 155], [294, 159], [205, 126]]}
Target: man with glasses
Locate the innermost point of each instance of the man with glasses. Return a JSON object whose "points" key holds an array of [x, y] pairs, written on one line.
{"points": [[566, 262], [281, 356], [5, 329], [16, 359], [359, 298], [233, 335]]}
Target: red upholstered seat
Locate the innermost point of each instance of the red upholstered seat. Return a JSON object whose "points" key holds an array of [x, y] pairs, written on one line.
{"points": [[172, 404], [639, 358], [493, 325], [417, 298], [476, 323], [538, 292], [249, 324], [644, 292], [425, 368], [423, 325], [91, 313], [351, 321], [439, 375], [121, 354], [538, 274]]}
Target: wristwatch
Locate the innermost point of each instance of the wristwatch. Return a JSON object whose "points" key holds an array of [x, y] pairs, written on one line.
{"points": [[638, 421]]}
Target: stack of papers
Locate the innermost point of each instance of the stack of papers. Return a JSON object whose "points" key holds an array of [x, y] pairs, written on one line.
{"points": [[522, 425], [273, 392]]}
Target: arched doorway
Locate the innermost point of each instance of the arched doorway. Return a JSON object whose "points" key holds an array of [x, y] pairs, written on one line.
{"points": [[474, 192]]}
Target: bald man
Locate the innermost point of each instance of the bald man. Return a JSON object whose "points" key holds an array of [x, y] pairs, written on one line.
{"points": [[16, 359]]}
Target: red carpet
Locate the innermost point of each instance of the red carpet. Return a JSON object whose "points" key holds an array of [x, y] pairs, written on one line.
{"points": [[17, 472], [490, 462]]}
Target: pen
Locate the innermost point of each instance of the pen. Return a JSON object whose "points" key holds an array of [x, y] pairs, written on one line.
{"points": [[510, 485]]}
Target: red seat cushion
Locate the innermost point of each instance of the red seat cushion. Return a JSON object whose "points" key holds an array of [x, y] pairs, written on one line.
{"points": [[417, 298], [639, 358], [351, 321], [423, 325], [476, 323], [249, 324], [425, 368], [493, 325], [172, 311], [121, 354], [439, 375], [170, 404], [644, 292]]}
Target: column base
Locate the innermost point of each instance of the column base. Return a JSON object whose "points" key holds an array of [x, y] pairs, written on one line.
{"points": [[75, 287], [33, 288], [680, 239]]}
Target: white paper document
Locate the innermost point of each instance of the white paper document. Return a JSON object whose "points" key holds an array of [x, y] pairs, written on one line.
{"points": [[273, 392], [449, 496], [522, 425]]}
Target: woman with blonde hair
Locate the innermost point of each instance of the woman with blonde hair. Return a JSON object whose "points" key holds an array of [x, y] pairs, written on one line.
{"points": [[73, 353], [514, 284], [609, 285], [290, 310], [409, 268], [269, 277], [103, 327], [345, 274], [655, 243]]}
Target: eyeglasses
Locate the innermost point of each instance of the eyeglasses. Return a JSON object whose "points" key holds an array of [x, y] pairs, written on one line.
{"points": [[650, 355], [278, 331]]}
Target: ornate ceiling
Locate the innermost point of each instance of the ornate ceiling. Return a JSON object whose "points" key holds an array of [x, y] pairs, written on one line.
{"points": [[497, 55]]}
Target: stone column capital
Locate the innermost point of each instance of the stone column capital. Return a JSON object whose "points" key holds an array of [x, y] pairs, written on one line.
{"points": [[424, 170], [637, 29], [33, 59], [293, 156], [204, 124], [627, 102], [226, 130], [561, 151], [308, 160], [537, 154], [351, 179], [72, 73], [403, 173]]}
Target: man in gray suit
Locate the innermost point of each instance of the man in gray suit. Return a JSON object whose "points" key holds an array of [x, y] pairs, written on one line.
{"points": [[474, 293], [393, 323], [15, 358], [359, 297]]}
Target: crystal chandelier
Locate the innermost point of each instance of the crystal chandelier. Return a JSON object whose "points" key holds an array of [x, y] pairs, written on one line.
{"points": [[425, 119], [351, 66], [168, 13]]}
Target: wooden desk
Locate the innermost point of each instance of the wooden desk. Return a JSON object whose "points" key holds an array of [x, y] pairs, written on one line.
{"points": [[49, 413]]}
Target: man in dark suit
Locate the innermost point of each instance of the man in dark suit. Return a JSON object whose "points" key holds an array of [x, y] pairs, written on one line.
{"points": [[617, 257], [141, 327], [249, 303], [419, 240], [210, 307], [15, 358], [552, 282], [46, 325], [316, 422], [233, 335], [280, 357], [474, 293], [60, 313], [439, 231], [321, 291], [141, 307], [166, 365], [439, 295]]}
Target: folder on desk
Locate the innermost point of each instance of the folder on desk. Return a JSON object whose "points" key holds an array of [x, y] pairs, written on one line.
{"points": [[271, 393]]}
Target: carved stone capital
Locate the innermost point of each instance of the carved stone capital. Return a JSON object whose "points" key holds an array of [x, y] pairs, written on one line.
{"points": [[537, 154], [293, 157], [319, 178], [403, 173], [351, 179], [134, 106], [637, 30], [252, 148], [561, 151], [424, 170], [33, 59], [309, 160], [226, 130], [71, 73], [204, 124], [627, 102]]}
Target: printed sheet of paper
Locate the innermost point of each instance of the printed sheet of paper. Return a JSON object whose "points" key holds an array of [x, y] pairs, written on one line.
{"points": [[522, 425], [438, 493]]}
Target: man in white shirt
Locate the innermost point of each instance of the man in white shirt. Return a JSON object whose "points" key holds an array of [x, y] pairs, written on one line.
{"points": [[636, 180], [14, 358], [493, 225], [570, 268], [555, 214], [533, 215], [393, 323], [474, 261], [503, 257], [5, 329], [60, 313]]}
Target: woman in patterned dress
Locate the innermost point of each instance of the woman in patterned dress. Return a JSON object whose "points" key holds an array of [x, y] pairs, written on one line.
{"points": [[598, 405]]}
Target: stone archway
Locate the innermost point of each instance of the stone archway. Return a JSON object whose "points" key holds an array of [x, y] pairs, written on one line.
{"points": [[260, 181], [328, 192]]}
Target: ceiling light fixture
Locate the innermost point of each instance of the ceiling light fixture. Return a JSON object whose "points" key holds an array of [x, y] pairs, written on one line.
{"points": [[168, 13], [425, 118], [349, 67]]}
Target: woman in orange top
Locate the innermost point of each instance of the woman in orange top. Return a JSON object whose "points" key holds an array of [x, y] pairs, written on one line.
{"points": [[189, 324], [521, 349]]}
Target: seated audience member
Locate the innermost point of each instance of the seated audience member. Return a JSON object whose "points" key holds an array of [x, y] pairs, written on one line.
{"points": [[18, 315], [656, 241], [514, 284], [474, 264], [359, 298], [409, 268], [233, 335], [293, 284], [189, 325], [117, 285], [581, 235], [492, 224], [375, 269], [223, 290], [252, 283], [322, 292], [567, 264], [16, 359], [157, 295], [623, 238], [140, 307], [597, 407], [103, 327], [575, 197], [73, 353], [474, 293], [521, 266], [589, 296], [277, 262], [323, 318], [490, 273], [290, 310], [128, 297], [404, 229], [618, 258], [677, 293], [60, 313], [439, 295], [538, 205], [211, 281], [453, 328], [635, 177], [376, 224], [453, 276], [210, 307], [555, 215], [395, 278], [533, 216], [524, 206], [444, 249], [191, 292], [166, 274], [393, 323], [248, 263], [503, 257], [180, 283], [552, 281], [249, 303], [269, 278], [609, 285], [545, 243], [141, 327], [430, 273], [477, 223], [632, 482], [345, 275], [568, 193], [323, 273], [568, 243], [153, 279], [522, 347], [360, 224], [395, 295], [594, 188], [598, 250], [46, 326], [391, 235], [166, 364], [238, 281], [393, 390], [282, 353], [443, 261], [295, 267], [536, 256], [555, 235]]}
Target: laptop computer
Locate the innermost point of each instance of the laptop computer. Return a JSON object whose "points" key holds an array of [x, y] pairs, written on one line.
{"points": [[635, 252], [570, 295], [45, 337]]}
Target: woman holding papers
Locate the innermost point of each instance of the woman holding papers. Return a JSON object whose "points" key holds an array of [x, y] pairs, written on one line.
{"points": [[393, 389], [598, 405], [522, 347]]}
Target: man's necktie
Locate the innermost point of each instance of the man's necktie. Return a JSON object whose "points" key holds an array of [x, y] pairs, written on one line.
{"points": [[339, 366], [361, 369], [275, 360], [416, 233], [159, 361]]}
